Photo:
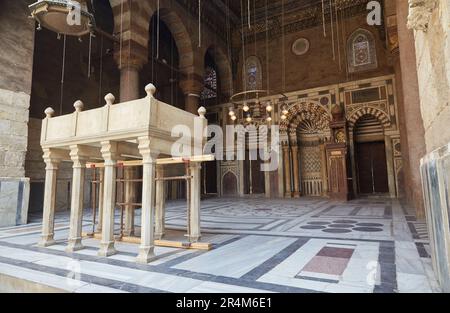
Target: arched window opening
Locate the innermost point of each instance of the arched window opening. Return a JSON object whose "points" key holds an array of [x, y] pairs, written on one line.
{"points": [[362, 54], [210, 81], [211, 78], [253, 73]]}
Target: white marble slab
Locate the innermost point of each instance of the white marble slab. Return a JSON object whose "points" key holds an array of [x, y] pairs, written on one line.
{"points": [[237, 258]]}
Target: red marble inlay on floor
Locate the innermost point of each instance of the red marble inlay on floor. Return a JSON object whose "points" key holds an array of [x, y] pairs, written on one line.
{"points": [[326, 265], [336, 252]]}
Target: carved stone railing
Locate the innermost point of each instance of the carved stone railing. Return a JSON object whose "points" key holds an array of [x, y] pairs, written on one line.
{"points": [[122, 122]]}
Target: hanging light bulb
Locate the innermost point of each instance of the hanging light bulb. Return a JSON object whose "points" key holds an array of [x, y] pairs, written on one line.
{"points": [[285, 110], [233, 118], [283, 117], [269, 119], [246, 108], [231, 113], [249, 118], [269, 107]]}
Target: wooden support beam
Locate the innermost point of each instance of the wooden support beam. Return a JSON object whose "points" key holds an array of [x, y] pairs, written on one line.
{"points": [[166, 161], [206, 246]]}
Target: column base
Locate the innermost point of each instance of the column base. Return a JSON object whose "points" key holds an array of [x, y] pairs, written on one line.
{"points": [[288, 195], [195, 239], [47, 241], [106, 249], [128, 233], [74, 245], [159, 236], [146, 255], [296, 194]]}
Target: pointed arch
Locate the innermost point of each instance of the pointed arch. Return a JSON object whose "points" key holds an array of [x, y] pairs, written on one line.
{"points": [[223, 68], [303, 111], [381, 116]]}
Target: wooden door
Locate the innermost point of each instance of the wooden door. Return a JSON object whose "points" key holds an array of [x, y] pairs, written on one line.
{"points": [[372, 168]]}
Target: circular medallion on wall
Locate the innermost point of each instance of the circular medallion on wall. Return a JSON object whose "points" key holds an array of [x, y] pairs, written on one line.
{"points": [[300, 46]]}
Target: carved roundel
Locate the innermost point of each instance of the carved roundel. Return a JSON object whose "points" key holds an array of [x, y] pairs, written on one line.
{"points": [[300, 46]]}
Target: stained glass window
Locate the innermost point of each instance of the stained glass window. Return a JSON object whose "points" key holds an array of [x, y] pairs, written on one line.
{"points": [[362, 52], [210, 89], [253, 73]]}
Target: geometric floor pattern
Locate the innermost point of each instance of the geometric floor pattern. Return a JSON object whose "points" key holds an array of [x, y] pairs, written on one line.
{"points": [[260, 245]]}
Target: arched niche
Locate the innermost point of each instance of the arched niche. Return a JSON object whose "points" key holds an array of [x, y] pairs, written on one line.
{"points": [[229, 184]]}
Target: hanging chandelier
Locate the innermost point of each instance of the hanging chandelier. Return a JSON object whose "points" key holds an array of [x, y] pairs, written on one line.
{"points": [[248, 108], [71, 18]]}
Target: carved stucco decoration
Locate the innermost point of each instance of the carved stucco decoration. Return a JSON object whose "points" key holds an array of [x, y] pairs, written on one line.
{"points": [[306, 111], [420, 12]]}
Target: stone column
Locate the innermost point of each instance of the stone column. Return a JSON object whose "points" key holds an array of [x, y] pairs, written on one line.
{"points": [[192, 88], [160, 204], [195, 231], [110, 156], [390, 166], [295, 162], [129, 83], [130, 197], [100, 198], [323, 154], [352, 161], [411, 98], [76, 207], [146, 249], [287, 172], [48, 220]]}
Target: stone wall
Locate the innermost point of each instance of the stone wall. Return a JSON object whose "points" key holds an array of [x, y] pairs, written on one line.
{"points": [[433, 63], [431, 20], [316, 67], [16, 63]]}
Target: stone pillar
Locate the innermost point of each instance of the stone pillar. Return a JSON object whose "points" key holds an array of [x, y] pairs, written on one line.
{"points": [[323, 154], [390, 166], [130, 197], [100, 199], [48, 220], [160, 204], [129, 83], [146, 249], [192, 88], [295, 170], [76, 207], [352, 161], [412, 113], [110, 156], [194, 206], [287, 172]]}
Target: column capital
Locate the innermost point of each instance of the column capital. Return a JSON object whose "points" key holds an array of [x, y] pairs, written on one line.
{"points": [[78, 157], [149, 155], [420, 13], [192, 85], [132, 55], [109, 152], [52, 158]]}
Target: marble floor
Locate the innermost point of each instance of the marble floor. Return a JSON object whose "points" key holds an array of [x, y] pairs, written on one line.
{"points": [[260, 245]]}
